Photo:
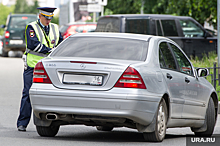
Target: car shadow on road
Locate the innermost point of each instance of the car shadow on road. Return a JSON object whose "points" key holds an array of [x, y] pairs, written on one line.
{"points": [[113, 136]]}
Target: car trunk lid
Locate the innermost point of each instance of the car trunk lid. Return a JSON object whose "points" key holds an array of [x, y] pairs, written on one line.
{"points": [[84, 74]]}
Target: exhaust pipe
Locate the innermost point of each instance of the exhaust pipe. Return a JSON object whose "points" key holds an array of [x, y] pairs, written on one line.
{"points": [[52, 116]]}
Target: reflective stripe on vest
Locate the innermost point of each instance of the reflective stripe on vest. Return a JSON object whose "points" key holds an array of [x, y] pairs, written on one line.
{"points": [[34, 56]]}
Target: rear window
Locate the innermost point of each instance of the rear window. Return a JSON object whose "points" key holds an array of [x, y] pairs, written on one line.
{"points": [[108, 24], [20, 22], [140, 26], [169, 27], [103, 47]]}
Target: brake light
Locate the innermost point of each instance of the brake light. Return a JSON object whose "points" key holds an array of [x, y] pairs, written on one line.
{"points": [[130, 79], [40, 75], [24, 18], [7, 34]]}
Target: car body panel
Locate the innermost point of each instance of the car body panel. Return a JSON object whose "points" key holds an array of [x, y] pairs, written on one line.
{"points": [[77, 27]]}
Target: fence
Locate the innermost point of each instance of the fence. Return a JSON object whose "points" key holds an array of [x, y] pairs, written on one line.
{"points": [[214, 73]]}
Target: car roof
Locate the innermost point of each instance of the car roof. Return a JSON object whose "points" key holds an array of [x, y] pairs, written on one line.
{"points": [[80, 23], [147, 15], [116, 35]]}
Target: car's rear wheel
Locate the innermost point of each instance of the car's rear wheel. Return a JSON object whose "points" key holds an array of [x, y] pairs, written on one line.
{"points": [[104, 128], [161, 124], [49, 131], [210, 120]]}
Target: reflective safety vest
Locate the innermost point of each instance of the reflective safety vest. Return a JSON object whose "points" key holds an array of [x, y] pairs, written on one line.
{"points": [[32, 56]]}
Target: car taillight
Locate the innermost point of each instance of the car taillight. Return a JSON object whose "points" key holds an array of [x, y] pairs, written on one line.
{"points": [[40, 75], [1, 44], [130, 79], [7, 34]]}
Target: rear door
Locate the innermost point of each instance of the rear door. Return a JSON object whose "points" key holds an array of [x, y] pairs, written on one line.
{"points": [[174, 79]]}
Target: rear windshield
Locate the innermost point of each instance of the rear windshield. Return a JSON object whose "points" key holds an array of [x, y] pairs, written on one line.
{"points": [[21, 21], [108, 25], [102, 47]]}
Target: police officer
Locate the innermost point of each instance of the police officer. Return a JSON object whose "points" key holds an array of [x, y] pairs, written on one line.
{"points": [[41, 37]]}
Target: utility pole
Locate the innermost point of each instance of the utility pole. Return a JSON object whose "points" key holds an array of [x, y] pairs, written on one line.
{"points": [[218, 29], [142, 6]]}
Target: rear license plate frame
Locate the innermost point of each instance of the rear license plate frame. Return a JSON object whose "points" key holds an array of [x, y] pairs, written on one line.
{"points": [[74, 79]]}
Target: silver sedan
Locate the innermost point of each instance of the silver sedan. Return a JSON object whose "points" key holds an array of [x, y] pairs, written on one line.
{"points": [[111, 80]]}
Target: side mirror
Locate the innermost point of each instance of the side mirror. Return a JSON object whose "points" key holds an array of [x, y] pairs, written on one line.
{"points": [[202, 72], [2, 26]]}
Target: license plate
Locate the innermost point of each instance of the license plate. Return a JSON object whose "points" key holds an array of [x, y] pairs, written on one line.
{"points": [[83, 79], [16, 42]]}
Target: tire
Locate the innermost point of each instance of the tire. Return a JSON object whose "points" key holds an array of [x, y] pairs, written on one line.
{"points": [[209, 119], [4, 53], [104, 128], [50, 131], [161, 124]]}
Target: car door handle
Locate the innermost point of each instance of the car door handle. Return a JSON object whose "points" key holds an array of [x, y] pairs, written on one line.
{"points": [[187, 80], [169, 76]]}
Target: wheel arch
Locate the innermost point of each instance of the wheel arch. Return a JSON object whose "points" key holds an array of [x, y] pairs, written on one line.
{"points": [[167, 100], [214, 96]]}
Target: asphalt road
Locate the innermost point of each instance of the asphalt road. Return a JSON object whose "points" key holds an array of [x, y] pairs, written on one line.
{"points": [[11, 84]]}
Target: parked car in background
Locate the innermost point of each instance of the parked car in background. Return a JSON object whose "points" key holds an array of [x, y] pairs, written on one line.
{"points": [[191, 36], [13, 39], [112, 80], [77, 27]]}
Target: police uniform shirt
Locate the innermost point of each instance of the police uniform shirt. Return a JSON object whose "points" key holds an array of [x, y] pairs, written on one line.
{"points": [[34, 44]]}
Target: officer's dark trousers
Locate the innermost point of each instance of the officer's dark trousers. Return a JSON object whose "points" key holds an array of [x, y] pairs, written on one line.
{"points": [[25, 107]]}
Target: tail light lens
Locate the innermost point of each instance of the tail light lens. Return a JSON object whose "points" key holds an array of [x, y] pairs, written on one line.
{"points": [[7, 34], [130, 79], [40, 75]]}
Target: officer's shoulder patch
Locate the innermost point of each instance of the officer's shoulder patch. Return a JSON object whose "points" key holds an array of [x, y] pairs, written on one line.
{"points": [[31, 33]]}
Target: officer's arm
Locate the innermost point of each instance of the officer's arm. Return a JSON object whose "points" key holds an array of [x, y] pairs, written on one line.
{"points": [[60, 38], [33, 43]]}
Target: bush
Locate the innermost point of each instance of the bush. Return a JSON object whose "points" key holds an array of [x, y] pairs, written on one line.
{"points": [[208, 62]]}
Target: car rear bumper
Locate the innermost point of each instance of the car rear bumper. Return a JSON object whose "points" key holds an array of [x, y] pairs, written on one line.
{"points": [[136, 107]]}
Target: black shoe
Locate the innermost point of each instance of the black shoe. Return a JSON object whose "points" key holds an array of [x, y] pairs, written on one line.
{"points": [[22, 128]]}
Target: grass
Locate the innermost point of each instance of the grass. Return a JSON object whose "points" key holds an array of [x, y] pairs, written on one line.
{"points": [[208, 62]]}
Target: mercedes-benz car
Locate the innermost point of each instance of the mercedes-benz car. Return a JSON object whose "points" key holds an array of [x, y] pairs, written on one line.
{"points": [[111, 80]]}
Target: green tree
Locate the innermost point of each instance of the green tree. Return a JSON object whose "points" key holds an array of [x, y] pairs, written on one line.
{"points": [[33, 9], [55, 20], [21, 6], [201, 10], [4, 11], [124, 6]]}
